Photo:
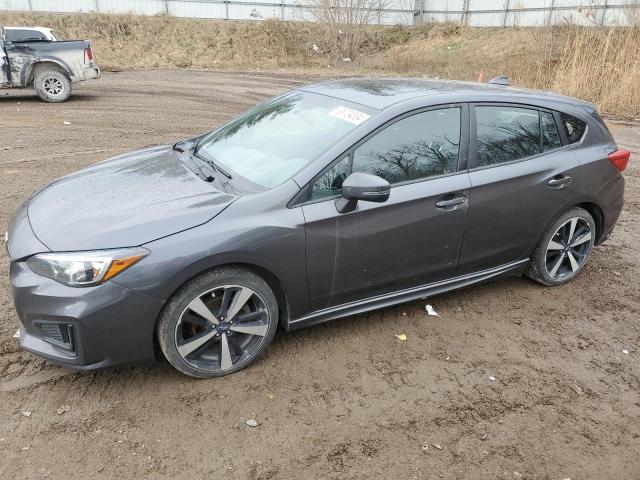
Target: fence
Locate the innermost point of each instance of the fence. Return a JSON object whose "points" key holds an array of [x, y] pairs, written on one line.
{"points": [[481, 13]]}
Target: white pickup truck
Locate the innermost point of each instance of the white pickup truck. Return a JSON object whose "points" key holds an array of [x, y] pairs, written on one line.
{"points": [[21, 34], [32, 57]]}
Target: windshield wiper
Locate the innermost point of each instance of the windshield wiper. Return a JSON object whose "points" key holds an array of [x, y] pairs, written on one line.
{"points": [[182, 147], [215, 166]]}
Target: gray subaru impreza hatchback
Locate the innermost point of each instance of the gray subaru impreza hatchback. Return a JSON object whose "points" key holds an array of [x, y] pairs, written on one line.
{"points": [[326, 201]]}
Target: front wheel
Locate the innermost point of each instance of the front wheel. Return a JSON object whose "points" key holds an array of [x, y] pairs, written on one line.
{"points": [[218, 323], [564, 248], [52, 86]]}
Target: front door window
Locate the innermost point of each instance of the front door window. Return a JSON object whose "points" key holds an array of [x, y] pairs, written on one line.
{"points": [[420, 146]]}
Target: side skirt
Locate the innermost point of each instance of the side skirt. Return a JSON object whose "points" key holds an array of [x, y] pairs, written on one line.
{"points": [[407, 295]]}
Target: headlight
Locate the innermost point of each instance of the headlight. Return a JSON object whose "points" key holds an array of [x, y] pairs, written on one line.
{"points": [[83, 269]]}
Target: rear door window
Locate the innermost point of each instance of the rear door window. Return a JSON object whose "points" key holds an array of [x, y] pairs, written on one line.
{"points": [[506, 133], [573, 127]]}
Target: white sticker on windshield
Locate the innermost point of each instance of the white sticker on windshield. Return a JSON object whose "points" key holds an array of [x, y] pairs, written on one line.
{"points": [[349, 115]]}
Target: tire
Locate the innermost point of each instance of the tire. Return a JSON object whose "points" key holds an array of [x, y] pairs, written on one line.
{"points": [[218, 323], [562, 252], [52, 85]]}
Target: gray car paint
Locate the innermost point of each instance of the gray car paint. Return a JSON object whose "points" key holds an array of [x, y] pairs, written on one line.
{"points": [[130, 200], [321, 264]]}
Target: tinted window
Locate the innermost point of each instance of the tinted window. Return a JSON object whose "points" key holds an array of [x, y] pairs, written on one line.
{"points": [[271, 142], [330, 183], [575, 128], [24, 35], [419, 146], [506, 134], [550, 136]]}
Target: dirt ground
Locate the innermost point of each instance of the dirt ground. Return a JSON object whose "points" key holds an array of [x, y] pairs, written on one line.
{"points": [[343, 400]]}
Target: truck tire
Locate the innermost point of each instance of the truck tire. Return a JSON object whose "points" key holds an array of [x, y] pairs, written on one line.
{"points": [[52, 86]]}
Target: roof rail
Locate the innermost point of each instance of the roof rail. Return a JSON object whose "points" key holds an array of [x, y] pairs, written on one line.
{"points": [[502, 80]]}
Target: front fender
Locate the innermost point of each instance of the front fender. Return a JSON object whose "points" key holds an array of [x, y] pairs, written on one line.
{"points": [[271, 241]]}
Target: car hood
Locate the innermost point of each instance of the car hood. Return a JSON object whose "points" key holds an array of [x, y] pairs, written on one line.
{"points": [[126, 201]]}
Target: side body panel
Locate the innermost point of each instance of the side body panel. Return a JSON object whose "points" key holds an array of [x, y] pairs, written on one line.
{"points": [[4, 67], [511, 202], [382, 247], [509, 206]]}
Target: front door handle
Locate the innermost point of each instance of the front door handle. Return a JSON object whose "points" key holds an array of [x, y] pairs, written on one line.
{"points": [[451, 202], [559, 181]]}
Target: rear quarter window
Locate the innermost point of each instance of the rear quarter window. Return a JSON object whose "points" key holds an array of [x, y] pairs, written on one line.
{"points": [[573, 127], [22, 35]]}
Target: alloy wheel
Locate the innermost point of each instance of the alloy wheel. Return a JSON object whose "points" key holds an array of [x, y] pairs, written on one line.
{"points": [[222, 328], [568, 249], [53, 86]]}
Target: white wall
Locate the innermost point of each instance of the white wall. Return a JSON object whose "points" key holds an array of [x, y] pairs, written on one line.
{"points": [[481, 13]]}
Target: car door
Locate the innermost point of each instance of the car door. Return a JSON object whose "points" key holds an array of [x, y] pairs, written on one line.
{"points": [[4, 61], [411, 239], [20, 56], [521, 176]]}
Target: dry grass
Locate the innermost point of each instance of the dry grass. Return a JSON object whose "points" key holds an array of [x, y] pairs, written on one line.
{"points": [[603, 66], [597, 64]]}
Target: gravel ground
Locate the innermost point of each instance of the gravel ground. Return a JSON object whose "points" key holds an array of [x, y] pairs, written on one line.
{"points": [[342, 400]]}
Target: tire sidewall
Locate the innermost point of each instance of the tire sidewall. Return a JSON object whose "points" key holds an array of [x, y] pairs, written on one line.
{"points": [[39, 80], [538, 270], [174, 308]]}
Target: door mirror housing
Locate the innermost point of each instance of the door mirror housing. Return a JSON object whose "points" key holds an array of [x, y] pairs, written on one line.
{"points": [[362, 186]]}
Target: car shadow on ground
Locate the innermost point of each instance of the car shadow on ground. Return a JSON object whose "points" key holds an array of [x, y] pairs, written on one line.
{"points": [[27, 96]]}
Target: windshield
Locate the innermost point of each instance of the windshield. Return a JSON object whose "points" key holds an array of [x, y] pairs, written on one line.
{"points": [[273, 141]]}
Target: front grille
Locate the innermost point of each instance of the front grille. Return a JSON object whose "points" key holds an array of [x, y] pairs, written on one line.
{"points": [[60, 335]]}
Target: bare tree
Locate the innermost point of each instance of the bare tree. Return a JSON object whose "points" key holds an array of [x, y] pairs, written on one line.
{"points": [[345, 21]]}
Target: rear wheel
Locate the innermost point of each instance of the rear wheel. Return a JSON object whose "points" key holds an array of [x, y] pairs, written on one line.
{"points": [[564, 248], [52, 85], [218, 323]]}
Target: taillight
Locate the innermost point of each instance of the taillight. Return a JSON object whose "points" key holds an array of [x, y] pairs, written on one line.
{"points": [[620, 158], [88, 55]]}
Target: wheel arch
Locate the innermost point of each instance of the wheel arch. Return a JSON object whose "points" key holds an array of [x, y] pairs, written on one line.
{"points": [[272, 280], [598, 216], [594, 210], [33, 68]]}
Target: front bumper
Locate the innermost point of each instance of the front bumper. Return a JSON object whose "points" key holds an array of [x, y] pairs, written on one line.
{"points": [[107, 325]]}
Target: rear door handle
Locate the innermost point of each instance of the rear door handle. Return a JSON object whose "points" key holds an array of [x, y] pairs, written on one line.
{"points": [[451, 202], [559, 181]]}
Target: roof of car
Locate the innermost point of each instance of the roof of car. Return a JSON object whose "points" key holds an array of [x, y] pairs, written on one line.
{"points": [[37, 29], [383, 92]]}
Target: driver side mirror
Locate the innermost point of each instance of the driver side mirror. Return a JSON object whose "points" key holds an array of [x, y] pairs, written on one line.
{"points": [[362, 186]]}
